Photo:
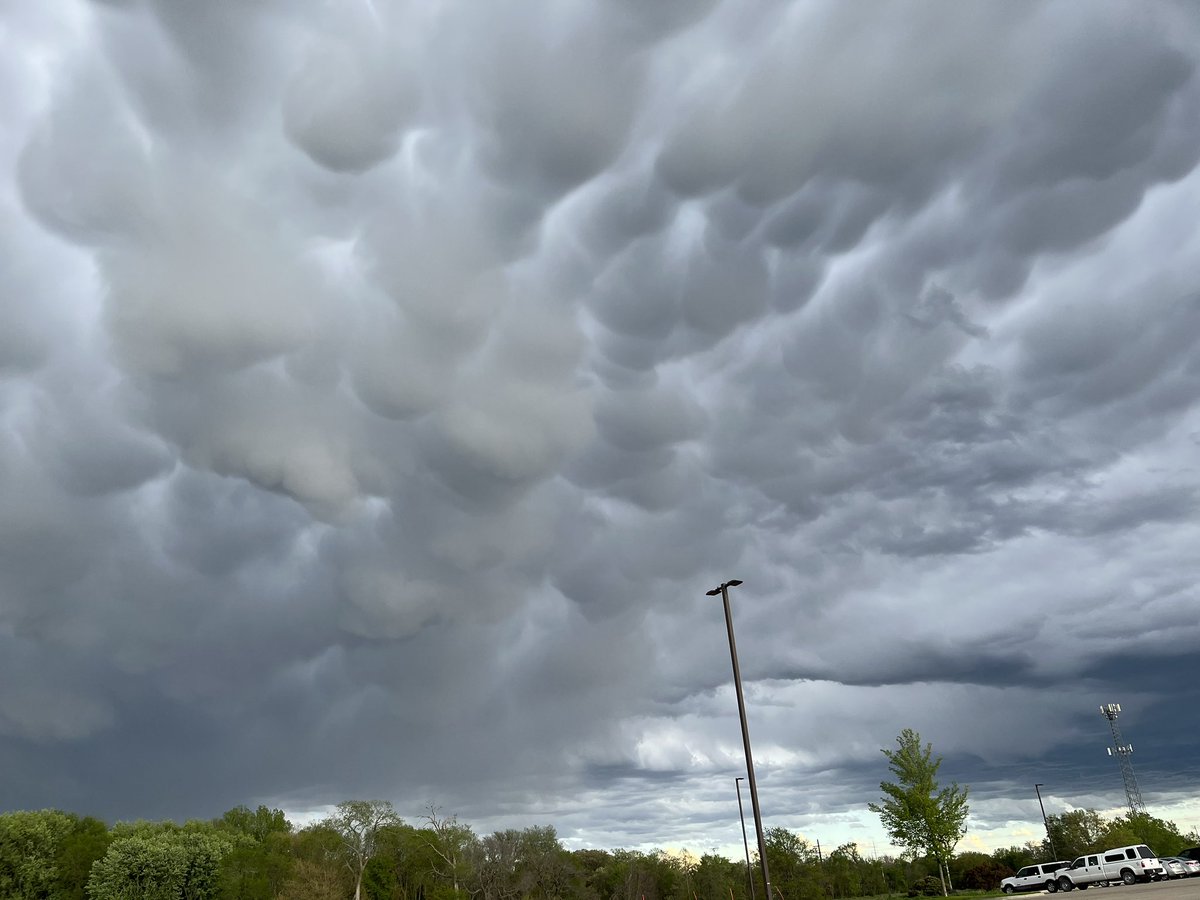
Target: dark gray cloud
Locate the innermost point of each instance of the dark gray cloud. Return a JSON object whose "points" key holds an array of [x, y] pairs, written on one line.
{"points": [[381, 391]]}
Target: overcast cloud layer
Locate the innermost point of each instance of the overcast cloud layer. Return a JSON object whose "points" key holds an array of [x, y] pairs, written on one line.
{"points": [[382, 386]]}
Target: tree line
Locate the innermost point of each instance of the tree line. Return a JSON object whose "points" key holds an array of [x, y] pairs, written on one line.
{"points": [[365, 850]]}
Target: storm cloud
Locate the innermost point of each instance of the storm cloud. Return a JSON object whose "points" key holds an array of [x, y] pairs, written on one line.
{"points": [[383, 385]]}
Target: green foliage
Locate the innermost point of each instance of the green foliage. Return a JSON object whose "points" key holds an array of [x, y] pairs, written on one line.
{"points": [[446, 849], [1017, 858], [920, 816], [843, 872], [31, 846], [793, 865], [167, 863], [257, 824], [1161, 836], [984, 876], [317, 843], [526, 863], [256, 870], [964, 861], [1076, 832], [312, 880], [255, 855], [929, 886], [716, 876], [358, 824], [622, 874], [79, 850]]}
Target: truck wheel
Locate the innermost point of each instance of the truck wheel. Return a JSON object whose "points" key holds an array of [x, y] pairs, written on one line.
{"points": [[1128, 877], [1051, 886], [1008, 889], [1064, 884]]}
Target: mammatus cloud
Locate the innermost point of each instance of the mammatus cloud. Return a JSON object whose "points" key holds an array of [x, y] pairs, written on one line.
{"points": [[380, 393]]}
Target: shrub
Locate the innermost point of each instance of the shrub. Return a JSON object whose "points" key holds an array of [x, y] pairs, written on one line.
{"points": [[929, 886], [985, 876]]}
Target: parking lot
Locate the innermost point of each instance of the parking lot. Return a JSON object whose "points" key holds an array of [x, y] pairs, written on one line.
{"points": [[1160, 890]]}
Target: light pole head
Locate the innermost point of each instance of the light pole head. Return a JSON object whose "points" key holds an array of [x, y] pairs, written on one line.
{"points": [[734, 582]]}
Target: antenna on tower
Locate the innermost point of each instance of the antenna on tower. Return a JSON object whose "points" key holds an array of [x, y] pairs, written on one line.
{"points": [[1122, 752]]}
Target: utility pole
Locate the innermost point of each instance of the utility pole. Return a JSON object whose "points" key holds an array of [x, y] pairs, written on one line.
{"points": [[1122, 752]]}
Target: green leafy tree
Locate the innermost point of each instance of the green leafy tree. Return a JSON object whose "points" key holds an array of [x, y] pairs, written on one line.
{"points": [[844, 872], [357, 823], [716, 876], [169, 863], [256, 870], [311, 880], [1016, 858], [521, 863], [793, 866], [620, 875], [960, 863], [87, 842], [593, 873], [984, 876], [1076, 832], [256, 824], [318, 867], [449, 847], [1161, 836], [543, 862], [920, 815], [260, 864], [30, 847], [496, 867]]}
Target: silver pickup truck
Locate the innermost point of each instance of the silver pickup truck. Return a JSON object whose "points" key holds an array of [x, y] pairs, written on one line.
{"points": [[1126, 864]]}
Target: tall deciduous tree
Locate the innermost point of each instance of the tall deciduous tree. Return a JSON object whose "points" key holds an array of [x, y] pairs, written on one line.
{"points": [[921, 816], [451, 845], [358, 822], [1076, 831], [794, 865], [1162, 836]]}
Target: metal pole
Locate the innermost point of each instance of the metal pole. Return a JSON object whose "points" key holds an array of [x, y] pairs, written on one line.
{"points": [[737, 683], [745, 843], [1037, 787]]}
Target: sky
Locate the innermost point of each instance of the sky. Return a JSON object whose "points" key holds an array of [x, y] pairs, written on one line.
{"points": [[383, 385]]}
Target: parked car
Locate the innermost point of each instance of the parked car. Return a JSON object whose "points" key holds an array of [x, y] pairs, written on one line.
{"points": [[1175, 869], [1190, 853], [1131, 864], [1034, 878], [1191, 867]]}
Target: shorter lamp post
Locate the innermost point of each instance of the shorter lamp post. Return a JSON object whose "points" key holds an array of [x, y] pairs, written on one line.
{"points": [[1037, 787], [737, 784]]}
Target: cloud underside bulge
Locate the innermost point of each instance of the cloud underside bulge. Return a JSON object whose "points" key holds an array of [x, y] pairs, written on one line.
{"points": [[411, 372]]}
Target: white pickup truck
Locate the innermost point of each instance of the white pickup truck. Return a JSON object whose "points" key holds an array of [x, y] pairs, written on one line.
{"points": [[1126, 864]]}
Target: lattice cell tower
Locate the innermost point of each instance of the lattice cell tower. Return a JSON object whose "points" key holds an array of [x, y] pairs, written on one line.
{"points": [[1122, 752]]}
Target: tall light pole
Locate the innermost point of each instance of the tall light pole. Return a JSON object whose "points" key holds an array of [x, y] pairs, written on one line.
{"points": [[723, 590], [1037, 787], [737, 784]]}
